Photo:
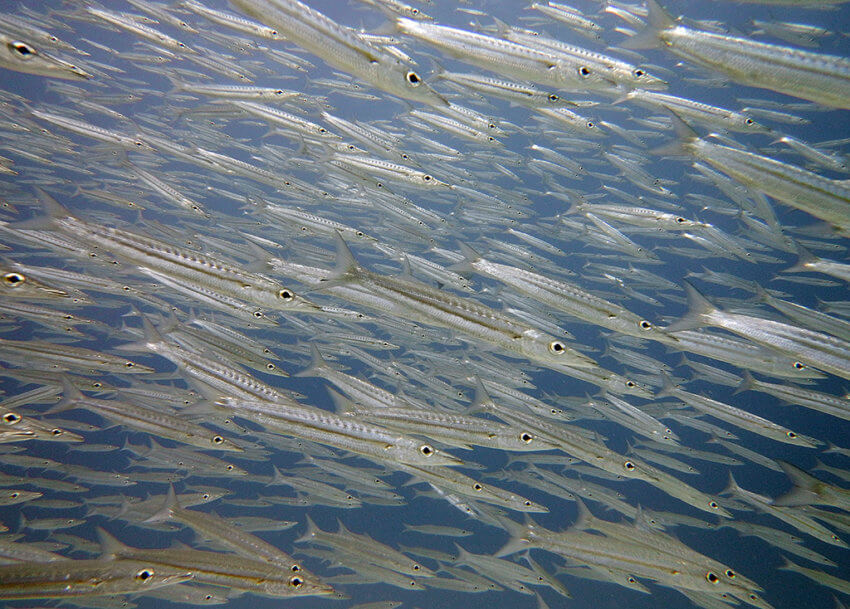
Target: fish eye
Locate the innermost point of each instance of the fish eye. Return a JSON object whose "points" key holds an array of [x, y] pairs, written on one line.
{"points": [[799, 366], [322, 130], [285, 295], [14, 279], [712, 577], [97, 384], [713, 505], [645, 325], [129, 364], [229, 467], [278, 91], [11, 418], [295, 568], [630, 384], [730, 574], [427, 450], [217, 440], [413, 78], [791, 434], [584, 71], [638, 73], [23, 50], [270, 366], [553, 98], [414, 11], [144, 574], [14, 495], [526, 437], [427, 178], [296, 582], [590, 124], [359, 233], [258, 314], [56, 432], [749, 121], [557, 347], [680, 220], [477, 487], [629, 465], [632, 580]]}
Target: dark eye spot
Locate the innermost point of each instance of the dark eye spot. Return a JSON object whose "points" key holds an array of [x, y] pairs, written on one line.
{"points": [[553, 98], [426, 450], [584, 71], [638, 73], [296, 582], [413, 78], [144, 574], [285, 295], [645, 325], [712, 577], [629, 465], [22, 49], [13, 279]]}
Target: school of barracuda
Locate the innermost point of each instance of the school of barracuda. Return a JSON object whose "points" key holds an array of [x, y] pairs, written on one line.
{"points": [[278, 278]]}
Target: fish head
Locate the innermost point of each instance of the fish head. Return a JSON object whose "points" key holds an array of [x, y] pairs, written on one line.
{"points": [[408, 84], [301, 583], [17, 284], [21, 56], [423, 454], [641, 78], [551, 351]]}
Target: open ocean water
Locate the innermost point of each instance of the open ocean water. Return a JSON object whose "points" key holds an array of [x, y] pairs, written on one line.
{"points": [[513, 176]]}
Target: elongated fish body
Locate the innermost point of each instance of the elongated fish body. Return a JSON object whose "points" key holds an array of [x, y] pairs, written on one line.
{"points": [[170, 261], [506, 57], [21, 56], [562, 295], [817, 349], [341, 48], [692, 110], [82, 578], [412, 299], [818, 77], [328, 428], [794, 186]]}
